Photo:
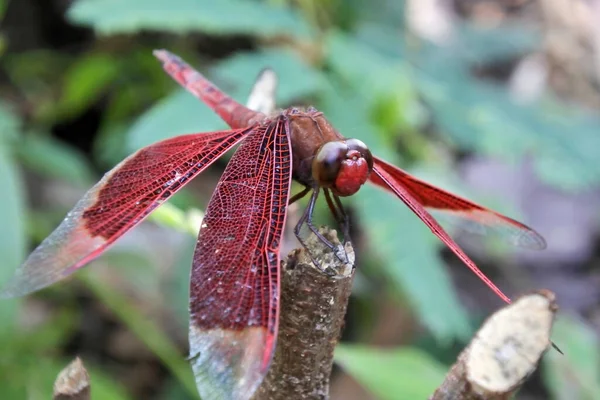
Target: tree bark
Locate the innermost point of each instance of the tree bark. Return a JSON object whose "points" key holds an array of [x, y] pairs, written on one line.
{"points": [[313, 306], [72, 383], [504, 352]]}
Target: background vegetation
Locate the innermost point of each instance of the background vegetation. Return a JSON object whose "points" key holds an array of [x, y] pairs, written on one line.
{"points": [[482, 97]]}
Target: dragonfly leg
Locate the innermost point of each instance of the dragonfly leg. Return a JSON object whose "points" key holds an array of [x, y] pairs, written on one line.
{"points": [[306, 218], [340, 215], [299, 195]]}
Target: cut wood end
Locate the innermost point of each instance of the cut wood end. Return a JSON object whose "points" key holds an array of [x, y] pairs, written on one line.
{"points": [[73, 382], [508, 347], [330, 258], [323, 255]]}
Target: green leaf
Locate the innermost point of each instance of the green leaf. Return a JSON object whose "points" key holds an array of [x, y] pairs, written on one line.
{"points": [[177, 114], [171, 390], [12, 215], [574, 375], [381, 81], [9, 123], [178, 285], [147, 331], [170, 216], [35, 380], [390, 14], [30, 378], [53, 158], [499, 43], [368, 71], [85, 81], [393, 374], [26, 343], [29, 371], [180, 16], [3, 6], [478, 116], [484, 118], [296, 79], [105, 387]]}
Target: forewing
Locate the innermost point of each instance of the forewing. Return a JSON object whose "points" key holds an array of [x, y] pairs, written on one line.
{"points": [[234, 291], [461, 213], [122, 199], [417, 195]]}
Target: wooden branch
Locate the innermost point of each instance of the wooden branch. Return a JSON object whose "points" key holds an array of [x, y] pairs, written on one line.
{"points": [[313, 306], [72, 383], [504, 353]]}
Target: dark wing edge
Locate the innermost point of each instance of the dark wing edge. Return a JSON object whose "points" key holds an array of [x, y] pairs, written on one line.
{"points": [[235, 279], [118, 202]]}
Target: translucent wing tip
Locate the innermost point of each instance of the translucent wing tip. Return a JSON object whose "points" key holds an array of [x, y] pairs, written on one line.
{"points": [[11, 292], [19, 285], [27, 280], [229, 364], [57, 257], [267, 78], [8, 292], [530, 239]]}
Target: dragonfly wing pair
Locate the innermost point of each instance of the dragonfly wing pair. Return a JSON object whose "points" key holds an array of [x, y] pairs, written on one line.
{"points": [[235, 277]]}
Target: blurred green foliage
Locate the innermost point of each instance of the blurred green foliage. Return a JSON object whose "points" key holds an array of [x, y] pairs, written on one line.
{"points": [[407, 373], [111, 17], [353, 61], [574, 375]]}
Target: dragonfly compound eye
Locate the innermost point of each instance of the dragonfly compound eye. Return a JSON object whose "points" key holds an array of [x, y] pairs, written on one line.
{"points": [[355, 144], [327, 162], [343, 166]]}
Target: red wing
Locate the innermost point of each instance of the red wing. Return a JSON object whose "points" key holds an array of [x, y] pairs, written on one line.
{"points": [[419, 196], [234, 292], [122, 199], [233, 113]]}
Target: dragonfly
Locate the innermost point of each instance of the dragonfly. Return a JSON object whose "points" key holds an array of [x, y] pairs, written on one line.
{"points": [[235, 276]]}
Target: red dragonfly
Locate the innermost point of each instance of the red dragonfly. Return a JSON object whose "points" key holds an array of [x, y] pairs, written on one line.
{"points": [[235, 279]]}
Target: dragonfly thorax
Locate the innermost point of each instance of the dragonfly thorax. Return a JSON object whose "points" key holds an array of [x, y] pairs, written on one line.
{"points": [[323, 157]]}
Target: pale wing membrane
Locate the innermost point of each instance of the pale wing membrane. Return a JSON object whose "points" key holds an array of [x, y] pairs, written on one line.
{"points": [[488, 225], [121, 200], [262, 96], [454, 211], [234, 292]]}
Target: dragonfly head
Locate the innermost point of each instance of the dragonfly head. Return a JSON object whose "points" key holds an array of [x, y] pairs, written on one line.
{"points": [[342, 166]]}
